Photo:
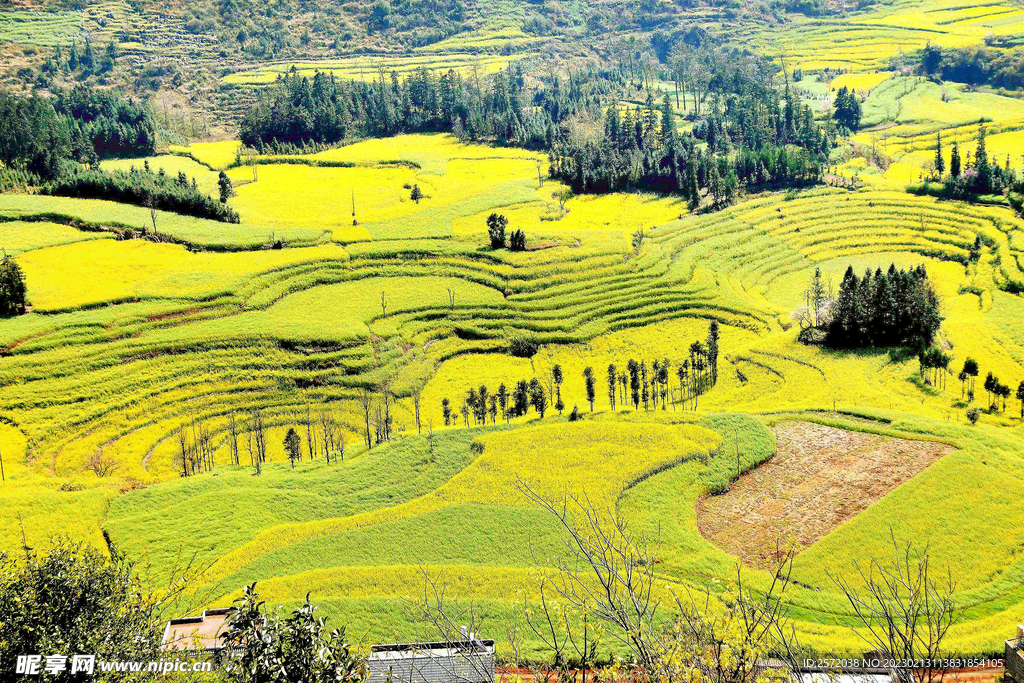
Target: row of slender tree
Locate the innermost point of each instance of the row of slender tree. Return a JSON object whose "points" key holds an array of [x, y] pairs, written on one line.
{"points": [[198, 443], [639, 384], [994, 388]]}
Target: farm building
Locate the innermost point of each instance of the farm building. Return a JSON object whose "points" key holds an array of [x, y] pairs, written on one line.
{"points": [[465, 661], [203, 633], [1015, 657]]}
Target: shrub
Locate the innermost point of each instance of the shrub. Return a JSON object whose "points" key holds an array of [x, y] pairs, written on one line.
{"points": [[267, 648], [973, 414], [521, 347], [74, 600]]}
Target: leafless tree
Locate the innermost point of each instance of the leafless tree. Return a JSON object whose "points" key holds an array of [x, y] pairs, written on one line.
{"points": [[233, 436], [609, 572], [457, 625], [326, 434], [257, 439], [101, 465], [307, 422], [904, 612], [609, 576], [183, 450], [416, 409], [366, 403]]}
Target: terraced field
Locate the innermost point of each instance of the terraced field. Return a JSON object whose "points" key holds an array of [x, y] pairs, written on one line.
{"points": [[866, 40], [371, 68], [131, 343]]}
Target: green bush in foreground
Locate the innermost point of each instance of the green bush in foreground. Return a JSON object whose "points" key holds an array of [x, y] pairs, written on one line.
{"points": [[74, 600], [267, 648]]}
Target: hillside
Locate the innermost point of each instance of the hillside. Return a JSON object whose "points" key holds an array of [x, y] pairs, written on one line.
{"points": [[747, 275]]}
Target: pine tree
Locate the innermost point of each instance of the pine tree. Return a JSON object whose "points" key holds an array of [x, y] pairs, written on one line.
{"points": [[983, 182], [225, 187], [940, 162], [954, 161], [588, 376]]}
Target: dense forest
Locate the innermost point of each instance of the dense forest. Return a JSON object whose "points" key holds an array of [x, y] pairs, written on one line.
{"points": [[39, 134], [299, 110], [55, 143]]}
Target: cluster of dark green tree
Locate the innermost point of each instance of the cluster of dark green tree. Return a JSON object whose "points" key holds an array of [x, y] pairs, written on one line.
{"points": [[79, 125], [976, 174], [12, 288], [846, 110], [74, 63], [891, 308], [639, 384], [754, 137], [974, 65], [301, 111], [496, 227]]}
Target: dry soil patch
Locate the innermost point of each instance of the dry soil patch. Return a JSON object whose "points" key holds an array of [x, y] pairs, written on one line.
{"points": [[818, 478]]}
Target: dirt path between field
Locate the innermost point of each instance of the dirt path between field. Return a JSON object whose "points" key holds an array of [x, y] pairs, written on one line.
{"points": [[818, 478]]}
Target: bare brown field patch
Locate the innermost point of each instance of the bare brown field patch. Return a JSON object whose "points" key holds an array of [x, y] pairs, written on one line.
{"points": [[819, 477]]}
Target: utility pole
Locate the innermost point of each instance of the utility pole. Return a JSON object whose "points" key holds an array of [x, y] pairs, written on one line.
{"points": [[354, 207], [737, 461], [3, 478]]}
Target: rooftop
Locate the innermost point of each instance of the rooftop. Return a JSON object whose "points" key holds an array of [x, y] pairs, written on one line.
{"points": [[204, 632]]}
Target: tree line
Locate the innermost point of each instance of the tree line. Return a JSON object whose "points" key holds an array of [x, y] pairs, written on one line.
{"points": [[638, 384], [298, 111], [142, 188], [746, 133]]}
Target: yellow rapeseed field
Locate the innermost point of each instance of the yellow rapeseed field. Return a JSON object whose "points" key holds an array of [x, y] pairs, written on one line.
{"points": [[92, 272]]}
